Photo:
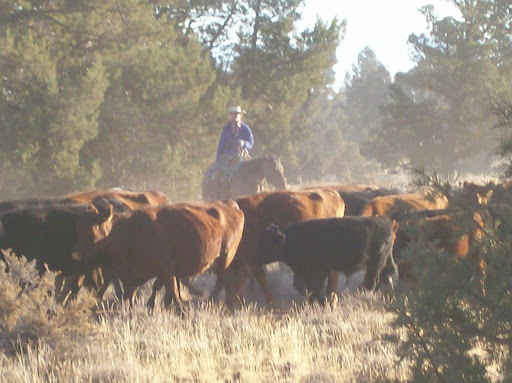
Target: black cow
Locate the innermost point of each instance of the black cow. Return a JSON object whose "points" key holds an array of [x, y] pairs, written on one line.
{"points": [[315, 248], [48, 234]]}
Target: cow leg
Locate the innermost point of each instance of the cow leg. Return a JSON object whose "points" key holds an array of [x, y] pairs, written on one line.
{"points": [[172, 293], [219, 285], [371, 277], [299, 284], [117, 288], [233, 280], [70, 287], [157, 285], [129, 292], [261, 277], [232, 298], [110, 278], [234, 275], [389, 274], [315, 287], [332, 286], [373, 270]]}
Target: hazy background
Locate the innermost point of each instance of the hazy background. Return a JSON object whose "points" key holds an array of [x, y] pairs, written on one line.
{"points": [[135, 94]]}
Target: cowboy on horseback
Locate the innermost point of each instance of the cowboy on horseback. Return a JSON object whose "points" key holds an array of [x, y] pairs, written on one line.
{"points": [[235, 141]]}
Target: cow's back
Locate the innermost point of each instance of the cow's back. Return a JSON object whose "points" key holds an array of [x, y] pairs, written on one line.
{"points": [[183, 238], [337, 243], [384, 206]]}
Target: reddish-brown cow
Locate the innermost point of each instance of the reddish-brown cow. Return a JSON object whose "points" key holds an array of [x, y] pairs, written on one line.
{"points": [[384, 206], [169, 242], [130, 200], [441, 227]]}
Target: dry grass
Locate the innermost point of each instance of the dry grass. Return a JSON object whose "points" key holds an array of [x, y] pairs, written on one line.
{"points": [[296, 343]]}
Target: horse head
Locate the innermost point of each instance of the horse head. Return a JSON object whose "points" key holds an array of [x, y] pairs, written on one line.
{"points": [[274, 173]]}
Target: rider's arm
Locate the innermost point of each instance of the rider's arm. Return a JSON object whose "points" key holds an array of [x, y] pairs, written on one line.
{"points": [[246, 135]]}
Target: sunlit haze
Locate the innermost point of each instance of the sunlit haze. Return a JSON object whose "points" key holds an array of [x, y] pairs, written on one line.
{"points": [[383, 26]]}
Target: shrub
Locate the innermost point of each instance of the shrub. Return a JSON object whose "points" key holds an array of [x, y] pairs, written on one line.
{"points": [[29, 311], [458, 322]]}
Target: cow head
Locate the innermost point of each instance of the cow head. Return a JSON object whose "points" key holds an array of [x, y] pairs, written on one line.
{"points": [[92, 226], [476, 193], [271, 245]]}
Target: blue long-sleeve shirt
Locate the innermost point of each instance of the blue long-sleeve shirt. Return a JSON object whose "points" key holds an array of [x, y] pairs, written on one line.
{"points": [[228, 143]]}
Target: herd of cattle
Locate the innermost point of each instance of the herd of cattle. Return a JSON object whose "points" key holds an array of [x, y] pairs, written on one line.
{"points": [[128, 238]]}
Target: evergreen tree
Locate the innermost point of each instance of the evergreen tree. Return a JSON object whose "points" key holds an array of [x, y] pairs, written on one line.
{"points": [[440, 110], [277, 73], [134, 93], [98, 95], [366, 91]]}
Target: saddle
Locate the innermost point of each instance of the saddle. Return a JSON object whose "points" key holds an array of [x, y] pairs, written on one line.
{"points": [[222, 173]]}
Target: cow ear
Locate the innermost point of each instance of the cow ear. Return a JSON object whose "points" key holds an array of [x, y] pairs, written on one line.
{"points": [[274, 229], [395, 225], [484, 199], [91, 209], [107, 214]]}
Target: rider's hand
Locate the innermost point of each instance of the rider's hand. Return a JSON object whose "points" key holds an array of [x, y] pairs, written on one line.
{"points": [[241, 144]]}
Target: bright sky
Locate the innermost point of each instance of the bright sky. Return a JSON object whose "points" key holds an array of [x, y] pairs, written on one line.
{"points": [[383, 26]]}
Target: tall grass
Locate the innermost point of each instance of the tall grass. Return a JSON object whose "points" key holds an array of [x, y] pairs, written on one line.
{"points": [[115, 343]]}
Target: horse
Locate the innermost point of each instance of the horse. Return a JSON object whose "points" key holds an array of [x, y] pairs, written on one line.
{"points": [[248, 178]]}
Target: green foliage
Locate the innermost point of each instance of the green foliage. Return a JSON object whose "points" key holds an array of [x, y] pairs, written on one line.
{"points": [[503, 111], [276, 77], [322, 151], [366, 91], [440, 111], [457, 320], [132, 93]]}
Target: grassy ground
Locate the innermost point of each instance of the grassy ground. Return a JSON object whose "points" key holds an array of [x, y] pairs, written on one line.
{"points": [[113, 343]]}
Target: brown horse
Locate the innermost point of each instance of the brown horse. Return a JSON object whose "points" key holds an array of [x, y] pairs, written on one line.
{"points": [[247, 179]]}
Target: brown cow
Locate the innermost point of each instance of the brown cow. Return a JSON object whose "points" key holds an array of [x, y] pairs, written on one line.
{"points": [[283, 208], [130, 200], [441, 227], [477, 194], [385, 206], [169, 242], [356, 200]]}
